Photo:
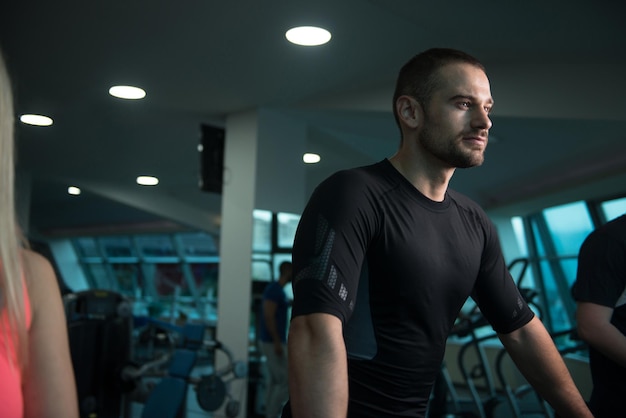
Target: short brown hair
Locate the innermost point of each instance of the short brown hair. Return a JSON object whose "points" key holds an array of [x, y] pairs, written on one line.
{"points": [[416, 77]]}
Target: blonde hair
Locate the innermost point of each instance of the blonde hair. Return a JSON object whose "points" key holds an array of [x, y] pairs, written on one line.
{"points": [[11, 285]]}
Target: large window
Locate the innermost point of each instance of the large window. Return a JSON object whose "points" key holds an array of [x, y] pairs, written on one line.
{"points": [[175, 276], [612, 209], [272, 244], [553, 239], [170, 276], [557, 235], [568, 225], [287, 223], [272, 240], [262, 231]]}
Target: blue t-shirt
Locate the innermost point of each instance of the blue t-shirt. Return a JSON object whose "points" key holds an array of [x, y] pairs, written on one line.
{"points": [[275, 293]]}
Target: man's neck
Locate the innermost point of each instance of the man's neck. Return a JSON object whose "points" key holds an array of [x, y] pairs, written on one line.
{"points": [[430, 180]]}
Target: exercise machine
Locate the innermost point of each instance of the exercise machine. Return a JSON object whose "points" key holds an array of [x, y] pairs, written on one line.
{"points": [[167, 397]]}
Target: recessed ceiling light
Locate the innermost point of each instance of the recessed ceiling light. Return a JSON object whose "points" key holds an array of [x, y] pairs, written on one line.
{"points": [[73, 190], [308, 36], [311, 158], [37, 120], [147, 180], [127, 92]]}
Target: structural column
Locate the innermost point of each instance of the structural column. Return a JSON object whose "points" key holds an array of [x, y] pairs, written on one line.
{"points": [[240, 157], [260, 147]]}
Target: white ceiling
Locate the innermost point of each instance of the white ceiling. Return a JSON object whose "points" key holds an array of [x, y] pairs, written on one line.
{"points": [[557, 72]]}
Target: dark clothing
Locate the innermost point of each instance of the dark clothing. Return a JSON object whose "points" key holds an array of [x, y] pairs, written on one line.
{"points": [[601, 279], [415, 262], [275, 293]]}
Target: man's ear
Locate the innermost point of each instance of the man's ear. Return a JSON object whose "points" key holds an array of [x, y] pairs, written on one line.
{"points": [[409, 111]]}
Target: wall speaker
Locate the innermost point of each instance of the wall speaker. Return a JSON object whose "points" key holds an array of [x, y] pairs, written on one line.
{"points": [[211, 158]]}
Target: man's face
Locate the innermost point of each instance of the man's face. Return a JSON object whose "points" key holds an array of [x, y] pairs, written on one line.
{"points": [[456, 118]]}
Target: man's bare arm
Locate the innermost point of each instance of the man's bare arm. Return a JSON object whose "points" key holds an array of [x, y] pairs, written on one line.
{"points": [[595, 328], [318, 371], [536, 356]]}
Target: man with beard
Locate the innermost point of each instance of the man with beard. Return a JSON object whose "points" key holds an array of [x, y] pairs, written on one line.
{"points": [[386, 255]]}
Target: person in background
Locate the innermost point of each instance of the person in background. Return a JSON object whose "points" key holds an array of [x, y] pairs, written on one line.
{"points": [[36, 375], [600, 293], [386, 255], [272, 336]]}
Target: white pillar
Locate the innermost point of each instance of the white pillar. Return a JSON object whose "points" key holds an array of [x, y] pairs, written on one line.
{"points": [[235, 273], [255, 160]]}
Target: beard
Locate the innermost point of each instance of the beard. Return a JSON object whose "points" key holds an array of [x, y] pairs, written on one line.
{"points": [[449, 149]]}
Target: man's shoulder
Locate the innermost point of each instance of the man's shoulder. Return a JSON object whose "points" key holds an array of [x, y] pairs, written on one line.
{"points": [[474, 213], [616, 228], [465, 202], [357, 179], [362, 172], [612, 231]]}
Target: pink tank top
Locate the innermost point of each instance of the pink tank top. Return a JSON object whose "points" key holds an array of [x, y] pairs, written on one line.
{"points": [[11, 400]]}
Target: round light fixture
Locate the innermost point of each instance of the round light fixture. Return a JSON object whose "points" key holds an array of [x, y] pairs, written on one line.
{"points": [[36, 120], [147, 181], [311, 158], [308, 36], [127, 92], [73, 190]]}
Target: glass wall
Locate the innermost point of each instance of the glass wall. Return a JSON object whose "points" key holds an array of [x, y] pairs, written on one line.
{"points": [[175, 276], [169, 276], [553, 238], [273, 235], [612, 209]]}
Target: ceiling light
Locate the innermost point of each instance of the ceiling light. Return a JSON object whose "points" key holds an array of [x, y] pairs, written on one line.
{"points": [[311, 158], [127, 92], [147, 180], [37, 120], [73, 190], [308, 36]]}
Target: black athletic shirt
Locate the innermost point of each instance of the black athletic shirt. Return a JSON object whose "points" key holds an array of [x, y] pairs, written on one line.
{"points": [[396, 268], [601, 279]]}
